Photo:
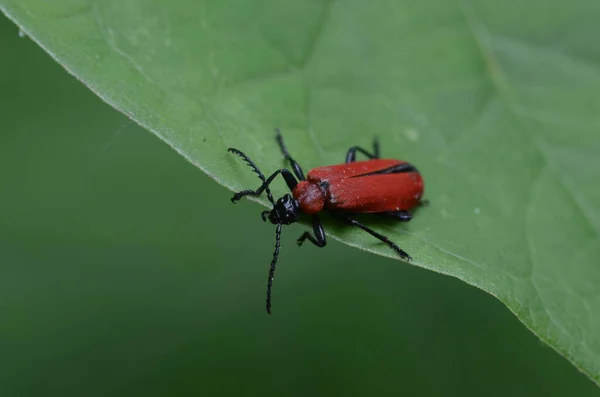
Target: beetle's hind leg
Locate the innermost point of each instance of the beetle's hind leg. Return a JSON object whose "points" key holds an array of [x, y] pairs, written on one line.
{"points": [[351, 155], [402, 216], [352, 222]]}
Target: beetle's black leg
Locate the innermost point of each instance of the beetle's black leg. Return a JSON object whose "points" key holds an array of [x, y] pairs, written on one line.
{"points": [[351, 155], [295, 166], [402, 216], [319, 240], [352, 222], [273, 265], [287, 175]]}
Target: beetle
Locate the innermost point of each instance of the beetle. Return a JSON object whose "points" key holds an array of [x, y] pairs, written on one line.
{"points": [[390, 188]]}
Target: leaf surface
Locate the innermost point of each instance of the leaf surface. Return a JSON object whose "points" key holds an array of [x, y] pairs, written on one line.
{"points": [[496, 103]]}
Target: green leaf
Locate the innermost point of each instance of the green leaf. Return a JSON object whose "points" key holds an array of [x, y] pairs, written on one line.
{"points": [[496, 103]]}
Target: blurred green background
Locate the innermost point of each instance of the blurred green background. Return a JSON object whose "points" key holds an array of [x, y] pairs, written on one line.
{"points": [[126, 271]]}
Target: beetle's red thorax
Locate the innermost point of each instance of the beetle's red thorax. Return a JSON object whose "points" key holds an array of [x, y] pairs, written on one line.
{"points": [[310, 197]]}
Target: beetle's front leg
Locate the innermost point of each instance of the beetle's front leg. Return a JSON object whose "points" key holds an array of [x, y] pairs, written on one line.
{"points": [[319, 240]]}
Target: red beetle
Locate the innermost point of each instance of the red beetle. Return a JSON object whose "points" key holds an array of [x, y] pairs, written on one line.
{"points": [[390, 188]]}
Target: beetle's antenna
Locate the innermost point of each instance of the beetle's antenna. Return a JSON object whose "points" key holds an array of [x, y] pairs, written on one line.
{"points": [[255, 169], [273, 264]]}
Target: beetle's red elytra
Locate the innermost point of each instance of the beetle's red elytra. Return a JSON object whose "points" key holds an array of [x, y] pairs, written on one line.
{"points": [[390, 188], [370, 186]]}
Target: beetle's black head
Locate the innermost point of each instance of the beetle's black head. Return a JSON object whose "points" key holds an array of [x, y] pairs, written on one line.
{"points": [[285, 211]]}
